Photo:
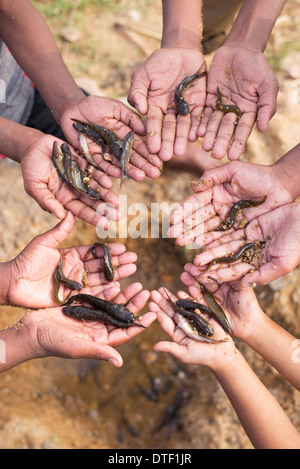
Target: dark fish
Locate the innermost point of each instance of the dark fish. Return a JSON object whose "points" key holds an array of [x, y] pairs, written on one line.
{"points": [[182, 106]]}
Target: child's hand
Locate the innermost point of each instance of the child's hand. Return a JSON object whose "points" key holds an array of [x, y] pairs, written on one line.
{"points": [[42, 182], [239, 304], [186, 349]]}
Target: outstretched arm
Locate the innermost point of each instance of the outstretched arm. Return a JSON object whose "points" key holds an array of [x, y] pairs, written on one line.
{"points": [[262, 418], [153, 84]]}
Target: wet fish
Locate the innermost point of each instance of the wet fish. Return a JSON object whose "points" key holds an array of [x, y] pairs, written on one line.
{"points": [[126, 153], [120, 312], [85, 313], [58, 277], [218, 313]]}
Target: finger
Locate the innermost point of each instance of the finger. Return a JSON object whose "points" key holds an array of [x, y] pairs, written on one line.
{"points": [[216, 252], [196, 116], [87, 214], [212, 130], [170, 347], [107, 353], [267, 104], [153, 129], [47, 201], [224, 135], [182, 133], [118, 337], [205, 118], [138, 92], [59, 233], [242, 132], [168, 136], [98, 278]]}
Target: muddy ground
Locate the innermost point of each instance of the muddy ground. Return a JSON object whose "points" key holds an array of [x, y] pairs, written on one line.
{"points": [[56, 403]]}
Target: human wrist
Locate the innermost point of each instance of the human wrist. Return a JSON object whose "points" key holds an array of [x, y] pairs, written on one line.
{"points": [[182, 39], [5, 280], [228, 365], [254, 24], [17, 347], [286, 170]]}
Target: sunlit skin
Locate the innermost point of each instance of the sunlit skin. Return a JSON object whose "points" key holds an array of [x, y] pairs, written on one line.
{"points": [[27, 280]]}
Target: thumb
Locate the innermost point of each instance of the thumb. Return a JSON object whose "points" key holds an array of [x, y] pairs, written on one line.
{"points": [[267, 105], [138, 92], [59, 233], [214, 176]]}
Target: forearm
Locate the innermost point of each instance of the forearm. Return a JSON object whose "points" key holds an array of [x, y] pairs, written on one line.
{"points": [[278, 347], [254, 23], [30, 41], [14, 138], [182, 23], [14, 347], [262, 418], [287, 169], [4, 282]]}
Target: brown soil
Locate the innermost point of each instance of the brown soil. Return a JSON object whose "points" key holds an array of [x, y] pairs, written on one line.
{"points": [[56, 403]]}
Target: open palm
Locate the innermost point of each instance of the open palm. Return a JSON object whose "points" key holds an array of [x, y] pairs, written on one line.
{"points": [[245, 79], [117, 117], [152, 92], [217, 191], [31, 272], [42, 182]]}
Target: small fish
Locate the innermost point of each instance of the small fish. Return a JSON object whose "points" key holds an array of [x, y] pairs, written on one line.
{"points": [[230, 259], [226, 107], [84, 313], [120, 312], [200, 323], [235, 210], [70, 172], [182, 106], [107, 135], [58, 277], [84, 149], [218, 313], [126, 153], [109, 272], [187, 327]]}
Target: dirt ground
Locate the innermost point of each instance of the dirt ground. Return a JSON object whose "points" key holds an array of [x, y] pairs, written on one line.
{"points": [[55, 403]]}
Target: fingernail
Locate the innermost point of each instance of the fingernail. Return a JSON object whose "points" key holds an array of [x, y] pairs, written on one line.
{"points": [[113, 362]]}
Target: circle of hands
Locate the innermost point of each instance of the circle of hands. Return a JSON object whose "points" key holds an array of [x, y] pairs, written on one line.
{"points": [[162, 134]]}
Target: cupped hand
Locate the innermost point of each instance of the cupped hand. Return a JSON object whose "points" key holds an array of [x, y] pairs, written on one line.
{"points": [[181, 346], [239, 303], [115, 116], [152, 93], [54, 334], [216, 192], [31, 272], [279, 230], [42, 182], [245, 79]]}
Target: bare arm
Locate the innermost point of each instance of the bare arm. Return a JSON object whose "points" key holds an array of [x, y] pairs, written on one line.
{"points": [[262, 418], [23, 29], [254, 23], [182, 23]]}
